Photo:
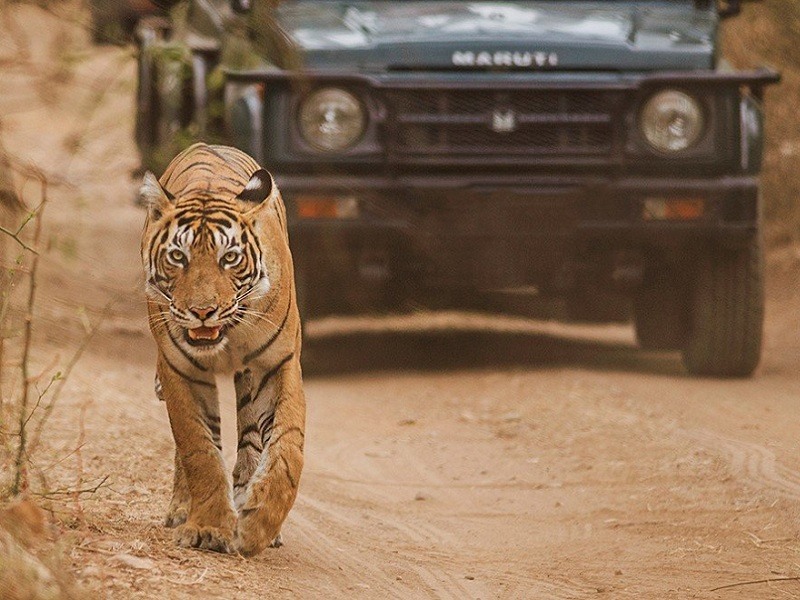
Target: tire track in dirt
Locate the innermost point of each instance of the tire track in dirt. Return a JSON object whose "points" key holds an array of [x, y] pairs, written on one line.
{"points": [[755, 463], [426, 536], [325, 552], [359, 554], [556, 587], [436, 570], [436, 578]]}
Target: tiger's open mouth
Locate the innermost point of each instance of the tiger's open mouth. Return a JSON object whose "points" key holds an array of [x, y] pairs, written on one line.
{"points": [[205, 336]]}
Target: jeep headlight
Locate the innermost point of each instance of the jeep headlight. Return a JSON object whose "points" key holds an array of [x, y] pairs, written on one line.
{"points": [[332, 119], [671, 121]]}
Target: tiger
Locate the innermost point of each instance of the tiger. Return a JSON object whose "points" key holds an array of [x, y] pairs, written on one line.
{"points": [[219, 284]]}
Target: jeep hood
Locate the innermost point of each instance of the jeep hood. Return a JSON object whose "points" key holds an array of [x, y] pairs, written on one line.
{"points": [[555, 34]]}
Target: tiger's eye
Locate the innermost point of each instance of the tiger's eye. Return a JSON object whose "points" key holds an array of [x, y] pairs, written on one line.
{"points": [[177, 256], [231, 257]]}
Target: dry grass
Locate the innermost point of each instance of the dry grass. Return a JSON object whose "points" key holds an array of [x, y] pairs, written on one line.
{"points": [[767, 34]]}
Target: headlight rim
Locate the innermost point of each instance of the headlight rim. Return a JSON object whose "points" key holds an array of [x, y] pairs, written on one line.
{"points": [[360, 101], [703, 130]]}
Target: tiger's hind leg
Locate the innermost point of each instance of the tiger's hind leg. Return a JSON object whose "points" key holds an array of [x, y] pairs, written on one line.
{"points": [[278, 419], [194, 418]]}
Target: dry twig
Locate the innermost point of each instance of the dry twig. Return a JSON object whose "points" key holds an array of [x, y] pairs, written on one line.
{"points": [[20, 462], [754, 582], [53, 494]]}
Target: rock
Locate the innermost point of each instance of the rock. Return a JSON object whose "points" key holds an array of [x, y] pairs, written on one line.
{"points": [[91, 572], [468, 417], [133, 562], [378, 454]]}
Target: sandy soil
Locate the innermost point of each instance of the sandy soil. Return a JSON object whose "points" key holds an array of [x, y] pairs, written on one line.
{"points": [[448, 456]]}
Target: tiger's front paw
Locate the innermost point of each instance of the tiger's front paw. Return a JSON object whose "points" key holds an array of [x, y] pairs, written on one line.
{"points": [[254, 532], [216, 539], [176, 515]]}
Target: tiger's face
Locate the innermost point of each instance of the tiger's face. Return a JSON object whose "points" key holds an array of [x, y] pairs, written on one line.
{"points": [[205, 261]]}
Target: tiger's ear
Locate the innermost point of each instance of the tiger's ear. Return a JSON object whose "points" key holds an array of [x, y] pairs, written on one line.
{"points": [[259, 189], [153, 195]]}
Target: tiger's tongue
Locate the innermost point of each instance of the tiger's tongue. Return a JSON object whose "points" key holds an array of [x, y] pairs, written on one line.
{"points": [[204, 333]]}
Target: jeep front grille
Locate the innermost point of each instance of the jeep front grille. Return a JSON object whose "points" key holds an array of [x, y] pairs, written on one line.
{"points": [[456, 123]]}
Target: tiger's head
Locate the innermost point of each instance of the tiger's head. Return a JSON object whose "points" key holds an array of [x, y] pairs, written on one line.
{"points": [[207, 259]]}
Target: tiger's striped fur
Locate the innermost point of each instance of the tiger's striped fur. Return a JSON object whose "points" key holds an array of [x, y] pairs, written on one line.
{"points": [[221, 298]]}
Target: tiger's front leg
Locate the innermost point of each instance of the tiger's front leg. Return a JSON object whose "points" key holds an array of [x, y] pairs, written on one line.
{"points": [[270, 458], [181, 501], [194, 419]]}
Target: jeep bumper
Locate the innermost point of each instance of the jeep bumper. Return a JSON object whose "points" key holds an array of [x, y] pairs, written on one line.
{"points": [[512, 230], [580, 208]]}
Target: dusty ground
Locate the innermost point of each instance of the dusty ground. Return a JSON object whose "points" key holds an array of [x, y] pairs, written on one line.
{"points": [[448, 456]]}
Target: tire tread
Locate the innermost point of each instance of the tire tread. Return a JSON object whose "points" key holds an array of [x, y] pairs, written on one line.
{"points": [[727, 313]]}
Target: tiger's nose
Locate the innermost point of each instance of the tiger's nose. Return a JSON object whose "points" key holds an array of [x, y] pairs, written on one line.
{"points": [[203, 313]]}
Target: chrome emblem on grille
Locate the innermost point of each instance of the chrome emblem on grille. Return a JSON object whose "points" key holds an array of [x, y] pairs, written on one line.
{"points": [[504, 120], [531, 60]]}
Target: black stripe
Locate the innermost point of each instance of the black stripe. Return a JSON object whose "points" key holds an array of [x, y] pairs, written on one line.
{"points": [[215, 439], [251, 428], [266, 428], [223, 222], [266, 421], [253, 252], [245, 443], [243, 401], [288, 471], [217, 176], [202, 163], [271, 373], [187, 219], [221, 206], [290, 430], [186, 355], [157, 242], [186, 377], [270, 341], [280, 218], [212, 150], [244, 386]]}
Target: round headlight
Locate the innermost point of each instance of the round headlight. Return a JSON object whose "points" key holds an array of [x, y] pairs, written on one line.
{"points": [[332, 119], [671, 121]]}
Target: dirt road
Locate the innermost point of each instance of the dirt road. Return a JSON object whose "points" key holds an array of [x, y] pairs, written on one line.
{"points": [[448, 456]]}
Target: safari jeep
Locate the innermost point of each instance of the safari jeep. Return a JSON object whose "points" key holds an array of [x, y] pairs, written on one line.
{"points": [[448, 153]]}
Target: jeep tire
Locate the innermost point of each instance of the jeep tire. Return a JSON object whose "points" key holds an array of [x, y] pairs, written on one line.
{"points": [[726, 312]]}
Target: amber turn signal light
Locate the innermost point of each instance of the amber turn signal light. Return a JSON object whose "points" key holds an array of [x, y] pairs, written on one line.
{"points": [[673, 209], [327, 207]]}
